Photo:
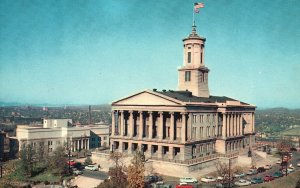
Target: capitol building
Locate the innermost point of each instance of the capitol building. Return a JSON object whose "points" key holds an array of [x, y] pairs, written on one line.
{"points": [[183, 125]]}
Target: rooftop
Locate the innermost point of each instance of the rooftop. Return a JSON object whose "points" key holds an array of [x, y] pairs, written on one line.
{"points": [[187, 96]]}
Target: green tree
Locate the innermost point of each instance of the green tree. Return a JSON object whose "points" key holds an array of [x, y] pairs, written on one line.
{"points": [[136, 171], [26, 156], [57, 162], [88, 161]]}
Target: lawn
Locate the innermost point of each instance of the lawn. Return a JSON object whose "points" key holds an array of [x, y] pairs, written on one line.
{"points": [[289, 181]]}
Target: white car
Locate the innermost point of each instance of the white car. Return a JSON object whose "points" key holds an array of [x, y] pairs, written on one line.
{"points": [[91, 167], [208, 179], [242, 182], [188, 180], [279, 161], [298, 164], [268, 167]]}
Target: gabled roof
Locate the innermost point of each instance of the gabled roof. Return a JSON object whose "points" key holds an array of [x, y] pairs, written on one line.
{"points": [[174, 98]]}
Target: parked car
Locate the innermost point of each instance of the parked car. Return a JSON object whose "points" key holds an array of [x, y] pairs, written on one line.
{"points": [[268, 178], [239, 175], [293, 149], [208, 179], [252, 172], [261, 169], [184, 185], [277, 174], [161, 184], [156, 178], [188, 180], [279, 161], [257, 180], [71, 162], [77, 172], [298, 164], [148, 179], [268, 167], [91, 167], [242, 182]]}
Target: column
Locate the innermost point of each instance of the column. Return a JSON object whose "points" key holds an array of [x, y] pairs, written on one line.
{"points": [[224, 126], [161, 122], [189, 126], [113, 124], [131, 128], [150, 125], [77, 144], [241, 124], [172, 126], [228, 125], [122, 123], [141, 125], [234, 125], [183, 127], [253, 122]]}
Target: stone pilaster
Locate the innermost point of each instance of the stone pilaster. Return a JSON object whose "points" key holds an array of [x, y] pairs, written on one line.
{"points": [[228, 125], [171, 152], [131, 128], [224, 126]]}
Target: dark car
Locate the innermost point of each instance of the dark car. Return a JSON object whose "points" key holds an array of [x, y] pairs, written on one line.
{"points": [[257, 180], [156, 178], [261, 169], [293, 149], [277, 174], [268, 178]]}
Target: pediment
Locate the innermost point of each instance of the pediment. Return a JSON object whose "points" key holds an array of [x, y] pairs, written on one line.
{"points": [[147, 98]]}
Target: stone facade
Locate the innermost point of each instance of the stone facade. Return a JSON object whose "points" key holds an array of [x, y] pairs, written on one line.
{"points": [[185, 124]]}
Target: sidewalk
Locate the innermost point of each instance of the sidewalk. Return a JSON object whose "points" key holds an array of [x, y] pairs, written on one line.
{"points": [[86, 182]]}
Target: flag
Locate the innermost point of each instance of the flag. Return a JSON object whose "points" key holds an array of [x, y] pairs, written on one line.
{"points": [[197, 6]]}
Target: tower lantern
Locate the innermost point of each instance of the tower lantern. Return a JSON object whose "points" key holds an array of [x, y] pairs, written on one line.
{"points": [[193, 75]]}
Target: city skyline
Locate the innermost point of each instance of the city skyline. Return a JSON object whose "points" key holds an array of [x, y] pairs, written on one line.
{"points": [[95, 52]]}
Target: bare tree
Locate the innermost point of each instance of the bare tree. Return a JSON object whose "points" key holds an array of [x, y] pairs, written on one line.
{"points": [[224, 171], [118, 177], [136, 171]]}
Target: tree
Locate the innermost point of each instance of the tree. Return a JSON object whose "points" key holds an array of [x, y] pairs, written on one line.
{"points": [[223, 170], [88, 161], [117, 175], [26, 156], [136, 171], [57, 162]]}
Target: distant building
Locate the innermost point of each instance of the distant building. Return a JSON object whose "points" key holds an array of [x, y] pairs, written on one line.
{"points": [[61, 132], [4, 146]]}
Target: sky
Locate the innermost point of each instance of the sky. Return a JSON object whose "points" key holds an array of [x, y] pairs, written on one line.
{"points": [[99, 51]]}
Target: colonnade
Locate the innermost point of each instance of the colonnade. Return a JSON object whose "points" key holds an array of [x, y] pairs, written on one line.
{"points": [[232, 125], [149, 125], [80, 144]]}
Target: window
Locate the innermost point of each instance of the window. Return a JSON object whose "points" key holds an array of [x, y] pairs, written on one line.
{"points": [[194, 118], [104, 138], [49, 143], [188, 76], [189, 57]]}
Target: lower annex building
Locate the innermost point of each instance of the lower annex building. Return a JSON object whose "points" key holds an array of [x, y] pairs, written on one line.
{"points": [[184, 124]]}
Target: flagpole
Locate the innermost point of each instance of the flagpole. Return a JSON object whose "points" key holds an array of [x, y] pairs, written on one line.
{"points": [[193, 16]]}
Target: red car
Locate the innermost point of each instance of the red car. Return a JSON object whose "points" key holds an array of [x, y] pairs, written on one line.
{"points": [[71, 163], [268, 178]]}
